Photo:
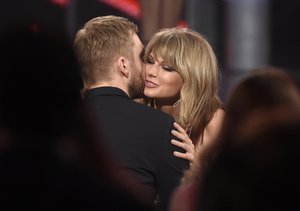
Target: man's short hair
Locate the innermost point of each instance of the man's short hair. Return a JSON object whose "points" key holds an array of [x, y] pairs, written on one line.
{"points": [[100, 42]]}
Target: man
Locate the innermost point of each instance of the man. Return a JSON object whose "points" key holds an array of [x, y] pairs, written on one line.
{"points": [[139, 136], [44, 142]]}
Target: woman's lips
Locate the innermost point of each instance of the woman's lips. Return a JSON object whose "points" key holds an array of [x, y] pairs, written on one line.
{"points": [[150, 84]]}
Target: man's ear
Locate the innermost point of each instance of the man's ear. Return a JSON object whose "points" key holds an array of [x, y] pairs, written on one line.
{"points": [[123, 65]]}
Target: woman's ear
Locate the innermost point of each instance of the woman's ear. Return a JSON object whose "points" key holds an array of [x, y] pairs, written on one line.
{"points": [[123, 65]]}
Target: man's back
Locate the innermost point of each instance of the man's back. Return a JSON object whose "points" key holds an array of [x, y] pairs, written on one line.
{"points": [[140, 139]]}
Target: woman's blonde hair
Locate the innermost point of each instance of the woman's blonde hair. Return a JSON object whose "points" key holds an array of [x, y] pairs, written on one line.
{"points": [[193, 58]]}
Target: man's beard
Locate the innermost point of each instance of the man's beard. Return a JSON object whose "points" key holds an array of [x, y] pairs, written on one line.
{"points": [[136, 88]]}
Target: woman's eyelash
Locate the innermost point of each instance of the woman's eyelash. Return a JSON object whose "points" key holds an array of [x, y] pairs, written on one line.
{"points": [[165, 67], [168, 68]]}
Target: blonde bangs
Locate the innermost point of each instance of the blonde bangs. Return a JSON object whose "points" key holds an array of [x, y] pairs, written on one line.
{"points": [[163, 45]]}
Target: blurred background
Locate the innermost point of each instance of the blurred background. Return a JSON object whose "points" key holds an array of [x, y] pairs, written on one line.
{"points": [[244, 33]]}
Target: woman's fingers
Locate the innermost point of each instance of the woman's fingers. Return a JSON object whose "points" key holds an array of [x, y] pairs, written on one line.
{"points": [[188, 147], [183, 142], [179, 128], [187, 156]]}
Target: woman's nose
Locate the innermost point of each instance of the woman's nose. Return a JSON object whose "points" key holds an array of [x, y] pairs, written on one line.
{"points": [[152, 70]]}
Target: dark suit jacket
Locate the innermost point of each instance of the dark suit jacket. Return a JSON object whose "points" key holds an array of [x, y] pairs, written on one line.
{"points": [[140, 138]]}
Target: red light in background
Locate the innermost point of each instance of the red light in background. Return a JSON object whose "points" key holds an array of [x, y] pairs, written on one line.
{"points": [[130, 7], [61, 3]]}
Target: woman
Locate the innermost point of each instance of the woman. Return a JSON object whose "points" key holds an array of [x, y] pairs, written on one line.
{"points": [[182, 80]]}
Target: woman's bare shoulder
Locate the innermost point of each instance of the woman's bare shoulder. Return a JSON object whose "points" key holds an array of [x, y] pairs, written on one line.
{"points": [[217, 119], [218, 115], [214, 126]]}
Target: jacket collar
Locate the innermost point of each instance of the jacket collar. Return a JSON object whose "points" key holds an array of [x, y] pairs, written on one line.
{"points": [[106, 90]]}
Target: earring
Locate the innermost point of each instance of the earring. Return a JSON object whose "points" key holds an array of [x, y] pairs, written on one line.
{"points": [[176, 103], [154, 103]]}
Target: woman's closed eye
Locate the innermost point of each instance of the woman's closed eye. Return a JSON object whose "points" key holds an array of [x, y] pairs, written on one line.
{"points": [[168, 68]]}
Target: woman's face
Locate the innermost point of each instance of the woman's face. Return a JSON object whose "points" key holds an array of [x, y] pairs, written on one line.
{"points": [[162, 81]]}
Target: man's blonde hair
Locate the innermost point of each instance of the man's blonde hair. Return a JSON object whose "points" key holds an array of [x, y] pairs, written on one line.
{"points": [[192, 57], [100, 42]]}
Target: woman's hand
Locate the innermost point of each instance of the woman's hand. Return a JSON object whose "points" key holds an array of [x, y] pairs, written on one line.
{"points": [[184, 143]]}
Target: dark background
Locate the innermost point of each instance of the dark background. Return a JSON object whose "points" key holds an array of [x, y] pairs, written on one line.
{"points": [[68, 16]]}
